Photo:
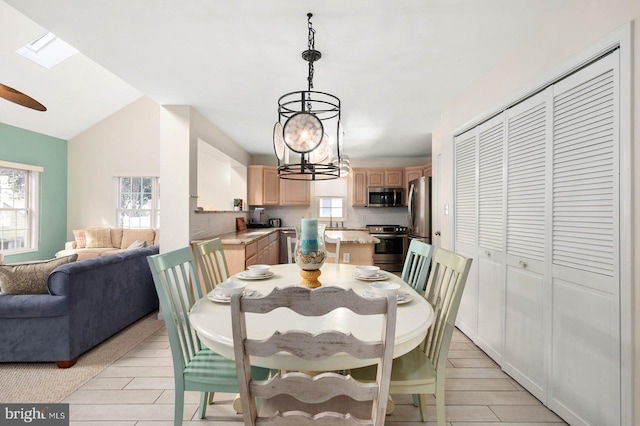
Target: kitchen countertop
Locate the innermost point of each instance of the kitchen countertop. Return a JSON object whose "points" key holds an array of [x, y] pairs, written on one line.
{"points": [[347, 235]]}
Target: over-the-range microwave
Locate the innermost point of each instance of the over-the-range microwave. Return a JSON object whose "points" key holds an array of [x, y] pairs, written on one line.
{"points": [[385, 197]]}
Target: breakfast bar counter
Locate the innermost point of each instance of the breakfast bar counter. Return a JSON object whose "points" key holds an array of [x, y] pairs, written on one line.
{"points": [[261, 245], [346, 235]]}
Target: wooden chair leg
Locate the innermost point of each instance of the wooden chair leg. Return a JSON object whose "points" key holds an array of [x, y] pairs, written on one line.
{"points": [[179, 405], [416, 400], [440, 407], [211, 394], [423, 407], [202, 410]]}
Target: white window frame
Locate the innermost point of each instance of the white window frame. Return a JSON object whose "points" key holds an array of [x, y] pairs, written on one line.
{"points": [[154, 210], [331, 218], [31, 207]]}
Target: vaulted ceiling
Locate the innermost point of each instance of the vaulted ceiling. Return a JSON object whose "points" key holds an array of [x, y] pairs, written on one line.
{"points": [[394, 64]]}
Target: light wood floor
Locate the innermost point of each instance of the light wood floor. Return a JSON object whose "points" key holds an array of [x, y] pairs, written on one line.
{"points": [[138, 390]]}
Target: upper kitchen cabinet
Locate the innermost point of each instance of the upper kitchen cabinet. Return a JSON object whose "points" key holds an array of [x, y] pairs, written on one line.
{"points": [[263, 188], [295, 192], [411, 173], [359, 189], [385, 178]]}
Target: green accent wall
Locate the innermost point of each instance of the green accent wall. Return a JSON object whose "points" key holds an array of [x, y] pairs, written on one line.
{"points": [[27, 147]]}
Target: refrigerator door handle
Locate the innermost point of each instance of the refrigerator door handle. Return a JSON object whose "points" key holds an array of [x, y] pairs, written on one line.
{"points": [[412, 190]]}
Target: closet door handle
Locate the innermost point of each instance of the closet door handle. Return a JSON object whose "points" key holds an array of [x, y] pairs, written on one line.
{"points": [[522, 264], [488, 253]]}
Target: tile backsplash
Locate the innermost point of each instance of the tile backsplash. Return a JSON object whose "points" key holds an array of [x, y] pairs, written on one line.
{"points": [[357, 217]]}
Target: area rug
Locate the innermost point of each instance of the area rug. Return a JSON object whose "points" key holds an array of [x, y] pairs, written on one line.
{"points": [[46, 383]]}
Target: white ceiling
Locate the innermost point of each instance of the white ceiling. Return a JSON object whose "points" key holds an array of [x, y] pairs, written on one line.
{"points": [[394, 64]]}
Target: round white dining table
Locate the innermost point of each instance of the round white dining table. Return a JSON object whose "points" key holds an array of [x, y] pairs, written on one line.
{"points": [[212, 320]]}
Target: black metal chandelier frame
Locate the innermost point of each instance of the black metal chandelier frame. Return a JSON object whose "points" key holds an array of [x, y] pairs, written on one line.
{"points": [[326, 108]]}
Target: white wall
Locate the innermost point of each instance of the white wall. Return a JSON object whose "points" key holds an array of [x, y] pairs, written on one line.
{"points": [[206, 225], [220, 179], [125, 143], [580, 25]]}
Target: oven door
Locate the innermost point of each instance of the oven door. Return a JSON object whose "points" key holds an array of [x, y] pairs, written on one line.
{"points": [[390, 252]]}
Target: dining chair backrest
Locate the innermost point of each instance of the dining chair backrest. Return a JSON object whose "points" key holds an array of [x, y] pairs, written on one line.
{"points": [[304, 390], [212, 263], [336, 254], [176, 280], [291, 247], [416, 265], [444, 289], [195, 368]]}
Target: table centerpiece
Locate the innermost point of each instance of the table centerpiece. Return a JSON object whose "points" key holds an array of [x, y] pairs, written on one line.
{"points": [[310, 251]]}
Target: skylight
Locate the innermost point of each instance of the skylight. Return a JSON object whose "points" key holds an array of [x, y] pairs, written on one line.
{"points": [[47, 50]]}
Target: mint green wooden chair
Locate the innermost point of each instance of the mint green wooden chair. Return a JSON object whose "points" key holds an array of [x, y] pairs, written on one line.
{"points": [[422, 371], [195, 368], [416, 265], [212, 263]]}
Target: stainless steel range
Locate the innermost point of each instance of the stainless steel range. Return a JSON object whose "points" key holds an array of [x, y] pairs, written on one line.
{"points": [[390, 252]]}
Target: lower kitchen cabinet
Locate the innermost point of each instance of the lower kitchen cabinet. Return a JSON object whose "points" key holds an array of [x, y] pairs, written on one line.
{"points": [[265, 250], [358, 253]]}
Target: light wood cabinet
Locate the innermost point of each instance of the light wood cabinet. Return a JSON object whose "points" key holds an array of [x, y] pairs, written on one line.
{"points": [[385, 178], [263, 188], [295, 192], [411, 173], [394, 178], [359, 187], [265, 250], [375, 177]]}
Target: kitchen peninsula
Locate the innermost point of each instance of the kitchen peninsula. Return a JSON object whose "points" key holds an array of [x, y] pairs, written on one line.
{"points": [[261, 245]]}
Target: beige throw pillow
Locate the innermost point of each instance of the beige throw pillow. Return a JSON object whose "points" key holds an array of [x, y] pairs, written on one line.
{"points": [[31, 277], [98, 237], [137, 244], [81, 240], [116, 237], [131, 235]]}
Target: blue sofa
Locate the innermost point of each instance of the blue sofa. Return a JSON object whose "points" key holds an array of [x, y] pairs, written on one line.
{"points": [[88, 301]]}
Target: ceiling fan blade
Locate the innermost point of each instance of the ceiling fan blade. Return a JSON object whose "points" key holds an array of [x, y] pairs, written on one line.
{"points": [[15, 96]]}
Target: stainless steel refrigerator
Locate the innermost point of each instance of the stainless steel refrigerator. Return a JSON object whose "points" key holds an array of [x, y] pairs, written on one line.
{"points": [[420, 209]]}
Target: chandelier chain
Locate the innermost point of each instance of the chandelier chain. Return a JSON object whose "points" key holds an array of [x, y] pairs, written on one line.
{"points": [[311, 49]]}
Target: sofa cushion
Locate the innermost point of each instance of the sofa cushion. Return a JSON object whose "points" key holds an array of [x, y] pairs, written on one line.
{"points": [[131, 235], [81, 240], [87, 253], [98, 237], [116, 237], [30, 277]]}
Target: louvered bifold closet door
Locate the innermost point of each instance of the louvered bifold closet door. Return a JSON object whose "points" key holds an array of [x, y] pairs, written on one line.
{"points": [[466, 188], [491, 285], [585, 364], [466, 224], [528, 138]]}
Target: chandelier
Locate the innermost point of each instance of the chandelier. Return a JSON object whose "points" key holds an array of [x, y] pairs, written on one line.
{"points": [[308, 137]]}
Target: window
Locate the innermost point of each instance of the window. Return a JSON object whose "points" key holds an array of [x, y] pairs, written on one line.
{"points": [[331, 208], [18, 207], [138, 202]]}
